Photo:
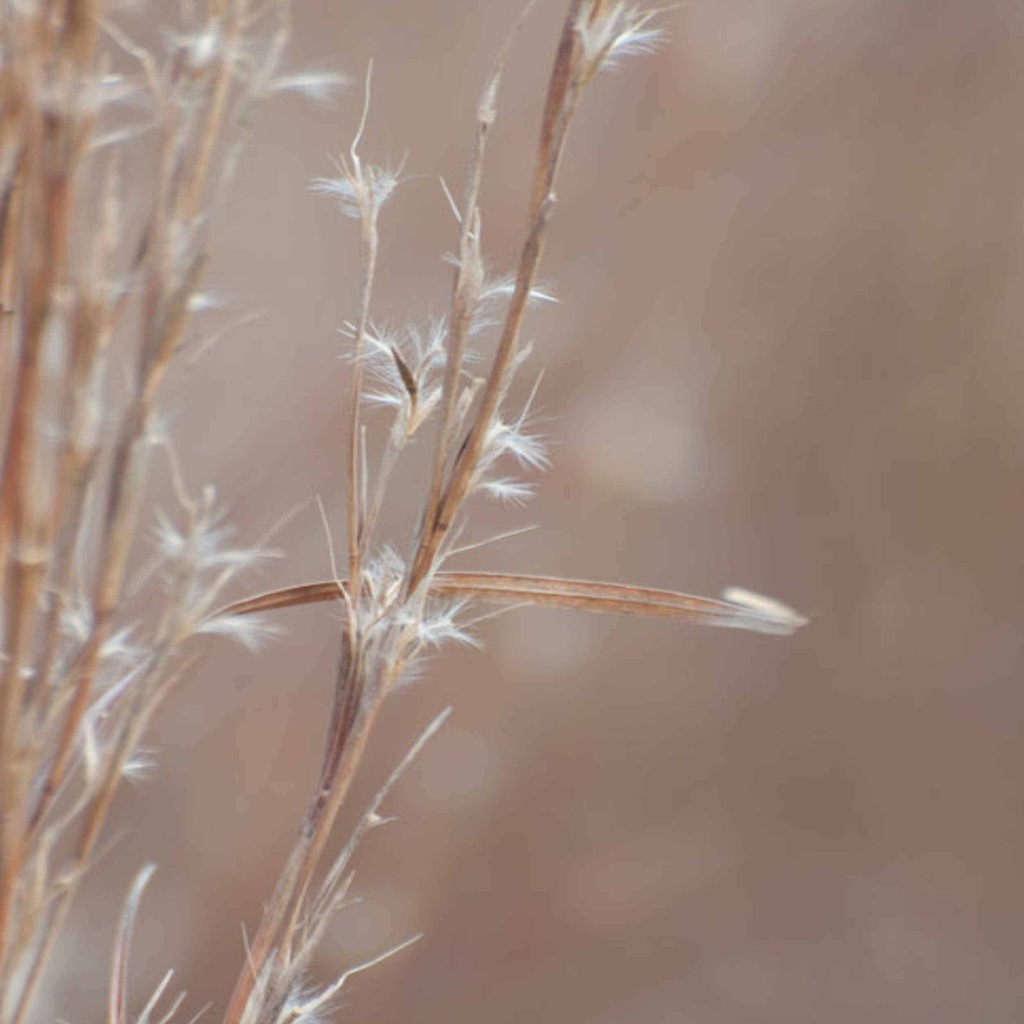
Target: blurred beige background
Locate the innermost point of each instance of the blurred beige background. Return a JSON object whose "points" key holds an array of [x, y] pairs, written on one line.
{"points": [[787, 355]]}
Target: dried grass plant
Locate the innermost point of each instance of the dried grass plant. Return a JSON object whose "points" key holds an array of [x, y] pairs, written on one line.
{"points": [[100, 271]]}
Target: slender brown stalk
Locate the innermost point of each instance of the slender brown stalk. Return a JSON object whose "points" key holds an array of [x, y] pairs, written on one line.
{"points": [[368, 207], [562, 96], [351, 728], [52, 147], [210, 135], [465, 290]]}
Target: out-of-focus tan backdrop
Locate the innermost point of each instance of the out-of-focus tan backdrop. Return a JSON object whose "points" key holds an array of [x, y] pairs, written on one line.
{"points": [[788, 249]]}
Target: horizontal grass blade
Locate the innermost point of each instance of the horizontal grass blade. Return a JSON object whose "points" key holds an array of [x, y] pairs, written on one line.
{"points": [[758, 616]]}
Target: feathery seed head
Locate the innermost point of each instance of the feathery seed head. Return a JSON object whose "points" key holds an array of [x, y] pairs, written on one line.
{"points": [[620, 31], [360, 191], [320, 87]]}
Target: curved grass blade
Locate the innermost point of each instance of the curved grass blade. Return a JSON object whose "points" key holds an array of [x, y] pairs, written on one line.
{"points": [[741, 609]]}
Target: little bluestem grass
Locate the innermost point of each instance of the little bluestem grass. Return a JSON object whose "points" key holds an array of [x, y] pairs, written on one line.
{"points": [[98, 300]]}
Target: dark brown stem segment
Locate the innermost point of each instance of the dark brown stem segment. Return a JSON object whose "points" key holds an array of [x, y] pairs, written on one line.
{"points": [[352, 720]]}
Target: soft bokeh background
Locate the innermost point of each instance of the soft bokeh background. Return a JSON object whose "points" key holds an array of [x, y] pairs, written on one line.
{"points": [[788, 250]]}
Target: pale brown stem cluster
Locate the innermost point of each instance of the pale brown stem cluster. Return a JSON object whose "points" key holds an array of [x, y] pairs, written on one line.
{"points": [[76, 284], [73, 278]]}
